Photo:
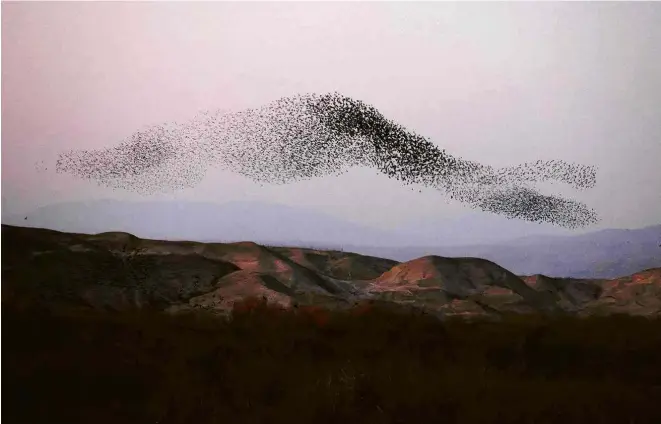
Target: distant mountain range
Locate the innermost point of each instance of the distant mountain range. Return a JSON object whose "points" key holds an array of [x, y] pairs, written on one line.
{"points": [[524, 248], [609, 253], [269, 223], [235, 221]]}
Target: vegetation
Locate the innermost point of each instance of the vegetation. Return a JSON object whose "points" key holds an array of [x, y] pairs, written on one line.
{"points": [[309, 365]]}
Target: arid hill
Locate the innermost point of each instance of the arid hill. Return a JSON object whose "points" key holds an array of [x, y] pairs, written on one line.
{"points": [[119, 271], [638, 294], [570, 293], [464, 286]]}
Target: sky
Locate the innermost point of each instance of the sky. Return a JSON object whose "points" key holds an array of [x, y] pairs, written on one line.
{"points": [[497, 83]]}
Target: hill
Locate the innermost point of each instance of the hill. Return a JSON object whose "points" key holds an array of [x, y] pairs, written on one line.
{"points": [[464, 286], [522, 247], [120, 271]]}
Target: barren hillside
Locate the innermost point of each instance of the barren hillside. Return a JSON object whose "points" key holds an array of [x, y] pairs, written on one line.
{"points": [[119, 271]]}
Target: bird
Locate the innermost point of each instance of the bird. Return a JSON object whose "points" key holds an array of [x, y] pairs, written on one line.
{"points": [[310, 136]]}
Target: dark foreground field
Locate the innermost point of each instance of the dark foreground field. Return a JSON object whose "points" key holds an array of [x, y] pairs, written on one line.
{"points": [[364, 366]]}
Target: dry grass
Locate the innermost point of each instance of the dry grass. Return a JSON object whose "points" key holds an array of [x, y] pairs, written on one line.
{"points": [[368, 365]]}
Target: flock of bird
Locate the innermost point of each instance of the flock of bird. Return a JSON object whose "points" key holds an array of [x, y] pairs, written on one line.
{"points": [[308, 136]]}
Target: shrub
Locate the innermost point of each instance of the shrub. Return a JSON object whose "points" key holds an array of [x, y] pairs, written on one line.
{"points": [[370, 364]]}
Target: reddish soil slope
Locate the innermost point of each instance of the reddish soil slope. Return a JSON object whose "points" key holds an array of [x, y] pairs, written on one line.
{"points": [[459, 286]]}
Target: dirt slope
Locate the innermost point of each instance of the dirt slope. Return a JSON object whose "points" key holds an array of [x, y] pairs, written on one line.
{"points": [[339, 265], [459, 286], [637, 294], [236, 287]]}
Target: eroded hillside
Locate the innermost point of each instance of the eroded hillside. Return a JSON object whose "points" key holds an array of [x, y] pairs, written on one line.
{"points": [[120, 271]]}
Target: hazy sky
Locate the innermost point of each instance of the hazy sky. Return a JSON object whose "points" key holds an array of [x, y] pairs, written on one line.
{"points": [[499, 83]]}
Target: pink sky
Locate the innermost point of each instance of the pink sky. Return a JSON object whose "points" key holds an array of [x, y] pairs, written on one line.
{"points": [[501, 83]]}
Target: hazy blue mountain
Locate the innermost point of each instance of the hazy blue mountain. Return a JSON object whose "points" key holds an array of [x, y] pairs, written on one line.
{"points": [[235, 221], [267, 222], [601, 254], [523, 247], [474, 227]]}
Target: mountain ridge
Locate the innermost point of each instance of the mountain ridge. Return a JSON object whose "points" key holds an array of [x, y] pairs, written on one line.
{"points": [[119, 270], [608, 253]]}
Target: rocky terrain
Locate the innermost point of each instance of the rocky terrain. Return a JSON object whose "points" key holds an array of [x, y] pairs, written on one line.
{"points": [[119, 271]]}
